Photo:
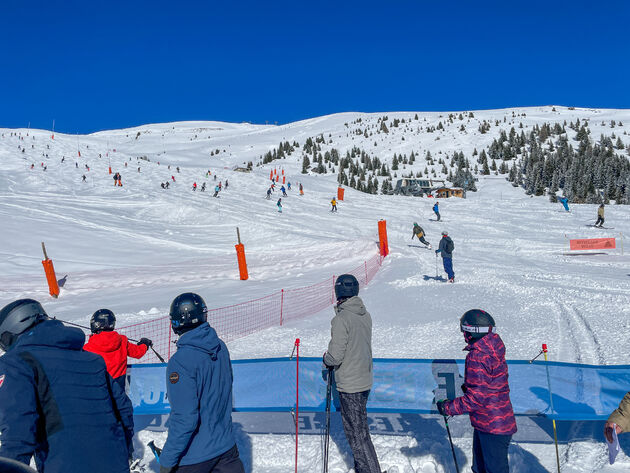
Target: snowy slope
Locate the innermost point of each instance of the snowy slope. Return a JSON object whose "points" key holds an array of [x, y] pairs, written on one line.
{"points": [[134, 248]]}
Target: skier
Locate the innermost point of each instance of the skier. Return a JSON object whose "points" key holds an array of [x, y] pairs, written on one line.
{"points": [[289, 185], [350, 354], [113, 347], [162, 185], [199, 388], [173, 178], [419, 232], [446, 248], [194, 187], [269, 193], [301, 189], [486, 394], [177, 168], [216, 191], [84, 178], [57, 402], [226, 184], [565, 202], [600, 216], [333, 202], [279, 204], [203, 187], [167, 184], [284, 191], [436, 209], [219, 185], [115, 179]]}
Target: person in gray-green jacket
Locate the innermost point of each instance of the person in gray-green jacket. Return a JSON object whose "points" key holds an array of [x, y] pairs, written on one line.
{"points": [[350, 354]]}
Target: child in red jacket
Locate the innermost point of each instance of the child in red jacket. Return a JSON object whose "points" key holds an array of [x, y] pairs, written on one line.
{"points": [[113, 347], [486, 394]]}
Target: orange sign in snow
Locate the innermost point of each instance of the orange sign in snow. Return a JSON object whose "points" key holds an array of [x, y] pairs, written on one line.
{"points": [[593, 244]]}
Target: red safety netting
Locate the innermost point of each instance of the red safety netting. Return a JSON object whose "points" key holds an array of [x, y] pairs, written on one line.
{"points": [[245, 318]]}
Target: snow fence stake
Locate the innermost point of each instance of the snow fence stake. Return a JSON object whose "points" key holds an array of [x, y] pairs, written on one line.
{"points": [[553, 421], [51, 278]]}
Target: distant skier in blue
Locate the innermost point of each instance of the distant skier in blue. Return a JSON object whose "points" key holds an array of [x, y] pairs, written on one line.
{"points": [[284, 191], [565, 202], [436, 209], [289, 185]]}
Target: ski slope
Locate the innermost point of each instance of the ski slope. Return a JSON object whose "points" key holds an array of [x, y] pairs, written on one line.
{"points": [[133, 249]]}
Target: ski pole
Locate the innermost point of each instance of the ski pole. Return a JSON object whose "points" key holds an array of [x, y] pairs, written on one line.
{"points": [[450, 439], [436, 266], [553, 421], [327, 437], [88, 328], [157, 451]]}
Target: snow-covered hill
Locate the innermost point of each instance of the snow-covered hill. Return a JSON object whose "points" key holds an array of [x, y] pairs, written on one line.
{"points": [[134, 248]]}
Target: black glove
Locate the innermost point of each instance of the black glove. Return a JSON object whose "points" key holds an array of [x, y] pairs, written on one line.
{"points": [[464, 388], [146, 341], [440, 407], [326, 364], [166, 469]]}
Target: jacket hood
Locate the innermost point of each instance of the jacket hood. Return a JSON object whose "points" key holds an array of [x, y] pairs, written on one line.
{"points": [[52, 333], [353, 304], [105, 342], [490, 344], [202, 338]]}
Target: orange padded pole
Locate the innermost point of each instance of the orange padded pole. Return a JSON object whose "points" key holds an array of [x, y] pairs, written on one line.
{"points": [[240, 257], [382, 237], [340, 192], [51, 278]]}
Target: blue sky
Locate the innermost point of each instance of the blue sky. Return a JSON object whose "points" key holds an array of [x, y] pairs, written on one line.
{"points": [[99, 65]]}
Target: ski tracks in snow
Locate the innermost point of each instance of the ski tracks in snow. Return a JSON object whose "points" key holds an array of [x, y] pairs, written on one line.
{"points": [[583, 341]]}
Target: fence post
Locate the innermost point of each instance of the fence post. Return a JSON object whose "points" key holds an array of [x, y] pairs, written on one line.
{"points": [[281, 304], [169, 340], [366, 274], [332, 296]]}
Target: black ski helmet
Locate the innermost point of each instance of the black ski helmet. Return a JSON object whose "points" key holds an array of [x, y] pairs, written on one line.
{"points": [[475, 324], [103, 320], [188, 311], [346, 286], [16, 318]]}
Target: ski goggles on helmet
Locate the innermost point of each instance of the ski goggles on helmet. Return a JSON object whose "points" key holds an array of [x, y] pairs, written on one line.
{"points": [[477, 329]]}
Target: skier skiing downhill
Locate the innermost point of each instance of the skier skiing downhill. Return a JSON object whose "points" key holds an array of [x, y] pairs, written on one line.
{"points": [[419, 232], [199, 388], [279, 204], [333, 202], [565, 202], [350, 354], [284, 191], [113, 347], [57, 402], [486, 394], [436, 209], [446, 248], [269, 193], [600, 216]]}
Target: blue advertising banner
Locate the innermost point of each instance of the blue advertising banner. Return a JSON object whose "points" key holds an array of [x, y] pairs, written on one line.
{"points": [[578, 392]]}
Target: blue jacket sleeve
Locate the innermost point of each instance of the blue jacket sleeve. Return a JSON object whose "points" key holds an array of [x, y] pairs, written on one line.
{"points": [[181, 386], [18, 411]]}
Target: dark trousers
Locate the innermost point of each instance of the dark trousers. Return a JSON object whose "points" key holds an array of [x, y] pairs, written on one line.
{"points": [[490, 452], [355, 425], [448, 267], [600, 221], [424, 241], [228, 462], [437, 214], [120, 381]]}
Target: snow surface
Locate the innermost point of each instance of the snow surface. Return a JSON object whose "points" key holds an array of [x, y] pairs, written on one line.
{"points": [[133, 249]]}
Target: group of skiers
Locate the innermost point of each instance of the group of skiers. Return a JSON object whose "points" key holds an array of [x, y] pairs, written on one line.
{"points": [[117, 179], [445, 249]]}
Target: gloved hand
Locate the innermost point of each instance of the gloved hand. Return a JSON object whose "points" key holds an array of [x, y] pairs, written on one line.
{"points": [[326, 364], [464, 388], [437, 251], [440, 407], [166, 469], [146, 341]]}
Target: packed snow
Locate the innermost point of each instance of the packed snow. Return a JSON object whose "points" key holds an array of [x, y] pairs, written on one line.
{"points": [[134, 248]]}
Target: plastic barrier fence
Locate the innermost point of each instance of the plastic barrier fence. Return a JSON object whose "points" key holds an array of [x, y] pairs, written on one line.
{"points": [[580, 392], [245, 318]]}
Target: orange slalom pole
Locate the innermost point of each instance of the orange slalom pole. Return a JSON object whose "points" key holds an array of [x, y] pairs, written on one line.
{"points": [[51, 278], [240, 257], [340, 192], [382, 237]]}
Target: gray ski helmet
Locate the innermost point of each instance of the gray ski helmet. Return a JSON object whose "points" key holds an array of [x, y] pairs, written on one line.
{"points": [[103, 320], [346, 286], [188, 311], [476, 323], [16, 318]]}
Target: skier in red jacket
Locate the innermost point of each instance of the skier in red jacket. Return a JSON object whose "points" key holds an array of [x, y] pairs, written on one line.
{"points": [[113, 347]]}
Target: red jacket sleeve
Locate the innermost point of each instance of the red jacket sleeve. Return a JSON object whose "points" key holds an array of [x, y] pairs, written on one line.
{"points": [[135, 351]]}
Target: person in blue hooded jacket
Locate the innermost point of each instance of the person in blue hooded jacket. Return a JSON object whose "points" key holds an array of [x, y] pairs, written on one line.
{"points": [[57, 402], [565, 202], [436, 209], [199, 387]]}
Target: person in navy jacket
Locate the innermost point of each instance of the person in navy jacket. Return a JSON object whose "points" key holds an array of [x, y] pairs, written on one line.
{"points": [[199, 387], [57, 402]]}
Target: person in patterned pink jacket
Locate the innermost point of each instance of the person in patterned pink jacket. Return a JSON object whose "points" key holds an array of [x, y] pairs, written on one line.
{"points": [[486, 394]]}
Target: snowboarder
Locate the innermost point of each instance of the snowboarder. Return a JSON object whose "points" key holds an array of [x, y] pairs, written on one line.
{"points": [[333, 202], [446, 248], [216, 191], [199, 389], [284, 191], [486, 393], [600, 216], [565, 202], [279, 204], [57, 402], [436, 209], [269, 193], [419, 232], [194, 187], [350, 354], [113, 347]]}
